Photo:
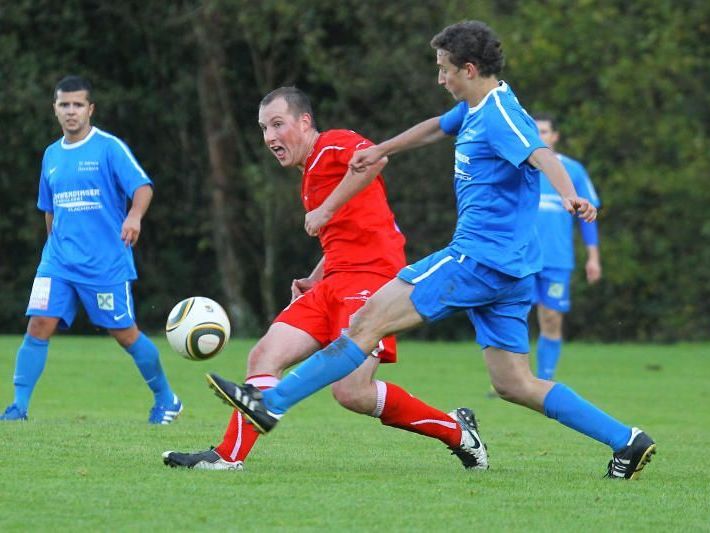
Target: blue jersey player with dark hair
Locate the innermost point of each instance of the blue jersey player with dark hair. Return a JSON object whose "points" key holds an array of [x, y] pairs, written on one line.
{"points": [[555, 227], [487, 270], [88, 178]]}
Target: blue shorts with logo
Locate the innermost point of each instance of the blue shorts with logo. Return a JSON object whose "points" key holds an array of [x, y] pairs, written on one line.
{"points": [[496, 304], [552, 289], [108, 306]]}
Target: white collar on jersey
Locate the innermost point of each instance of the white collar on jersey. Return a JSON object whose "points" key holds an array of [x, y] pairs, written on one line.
{"points": [[502, 87], [71, 146]]}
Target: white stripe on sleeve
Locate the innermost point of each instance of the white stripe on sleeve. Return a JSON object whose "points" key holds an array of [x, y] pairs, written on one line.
{"points": [[125, 150], [315, 161], [510, 122]]}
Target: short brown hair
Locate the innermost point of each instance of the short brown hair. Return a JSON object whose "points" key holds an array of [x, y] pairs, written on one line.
{"points": [[298, 102]]}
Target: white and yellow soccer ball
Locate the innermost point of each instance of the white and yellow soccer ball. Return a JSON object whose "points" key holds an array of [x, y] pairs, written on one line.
{"points": [[197, 328]]}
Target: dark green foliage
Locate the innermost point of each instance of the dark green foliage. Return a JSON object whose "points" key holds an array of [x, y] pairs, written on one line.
{"points": [[628, 81]]}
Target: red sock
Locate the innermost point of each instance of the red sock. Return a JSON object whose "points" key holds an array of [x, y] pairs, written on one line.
{"points": [[397, 408], [240, 436]]}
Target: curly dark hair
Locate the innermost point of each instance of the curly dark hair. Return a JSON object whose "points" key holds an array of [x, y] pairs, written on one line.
{"points": [[471, 41]]}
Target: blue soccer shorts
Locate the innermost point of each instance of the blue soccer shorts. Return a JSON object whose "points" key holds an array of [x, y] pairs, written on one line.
{"points": [[108, 306], [552, 287], [496, 304]]}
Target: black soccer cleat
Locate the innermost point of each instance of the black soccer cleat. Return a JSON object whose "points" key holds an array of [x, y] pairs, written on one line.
{"points": [[628, 463], [472, 451], [246, 398], [207, 460]]}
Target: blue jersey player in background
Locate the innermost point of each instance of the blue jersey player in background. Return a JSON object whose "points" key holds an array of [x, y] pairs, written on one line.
{"points": [[87, 179], [487, 270], [555, 228]]}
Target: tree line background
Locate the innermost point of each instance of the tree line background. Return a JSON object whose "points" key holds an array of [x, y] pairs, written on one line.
{"points": [[180, 82]]}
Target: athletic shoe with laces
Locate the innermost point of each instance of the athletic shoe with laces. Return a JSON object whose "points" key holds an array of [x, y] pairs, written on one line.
{"points": [[628, 463], [472, 451], [246, 398], [13, 412], [165, 414], [206, 460]]}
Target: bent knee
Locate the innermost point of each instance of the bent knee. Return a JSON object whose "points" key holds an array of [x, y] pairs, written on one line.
{"points": [[551, 322], [42, 327], [514, 391], [351, 396], [261, 361]]}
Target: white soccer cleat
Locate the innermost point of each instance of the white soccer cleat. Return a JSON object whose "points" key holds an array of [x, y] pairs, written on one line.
{"points": [[207, 460], [472, 451]]}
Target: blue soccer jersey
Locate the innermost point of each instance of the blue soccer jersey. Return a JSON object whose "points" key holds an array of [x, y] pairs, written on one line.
{"points": [[86, 186], [497, 191], [555, 224]]}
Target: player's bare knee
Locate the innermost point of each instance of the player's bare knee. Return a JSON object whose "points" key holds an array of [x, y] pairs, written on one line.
{"points": [[504, 391], [41, 327], [258, 360], [350, 395], [512, 390], [125, 336], [550, 323], [342, 394]]}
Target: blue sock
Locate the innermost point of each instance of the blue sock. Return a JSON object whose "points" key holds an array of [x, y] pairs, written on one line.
{"points": [[147, 359], [570, 409], [31, 358], [548, 353], [327, 366]]}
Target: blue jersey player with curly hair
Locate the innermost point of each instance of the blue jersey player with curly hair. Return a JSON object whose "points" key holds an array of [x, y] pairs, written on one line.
{"points": [[487, 270]]}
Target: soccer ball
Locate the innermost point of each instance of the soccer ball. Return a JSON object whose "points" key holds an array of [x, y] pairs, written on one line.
{"points": [[197, 328]]}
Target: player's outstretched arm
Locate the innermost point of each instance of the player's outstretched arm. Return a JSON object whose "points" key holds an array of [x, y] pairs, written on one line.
{"points": [[131, 229], [352, 183], [424, 133], [545, 160]]}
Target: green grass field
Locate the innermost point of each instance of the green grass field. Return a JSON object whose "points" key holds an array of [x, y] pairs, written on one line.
{"points": [[87, 459]]}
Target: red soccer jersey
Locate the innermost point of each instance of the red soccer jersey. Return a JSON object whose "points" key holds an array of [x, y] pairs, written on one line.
{"points": [[362, 235]]}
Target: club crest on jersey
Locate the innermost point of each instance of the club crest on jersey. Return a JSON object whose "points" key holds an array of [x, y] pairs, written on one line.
{"points": [[105, 301]]}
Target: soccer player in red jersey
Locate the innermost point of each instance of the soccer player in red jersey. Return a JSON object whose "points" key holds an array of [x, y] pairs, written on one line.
{"points": [[362, 250]]}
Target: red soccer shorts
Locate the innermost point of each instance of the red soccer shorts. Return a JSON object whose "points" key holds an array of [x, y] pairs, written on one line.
{"points": [[324, 311]]}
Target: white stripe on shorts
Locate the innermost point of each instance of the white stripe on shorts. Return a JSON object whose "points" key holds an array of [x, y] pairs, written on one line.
{"points": [[41, 291], [128, 300], [433, 269]]}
